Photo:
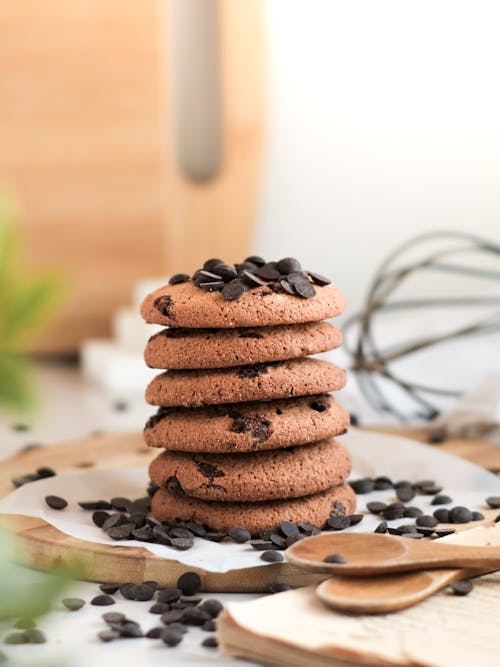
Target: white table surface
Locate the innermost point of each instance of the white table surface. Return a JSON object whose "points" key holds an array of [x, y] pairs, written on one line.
{"points": [[69, 409]]}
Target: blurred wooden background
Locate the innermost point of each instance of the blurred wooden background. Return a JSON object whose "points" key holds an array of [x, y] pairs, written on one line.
{"points": [[87, 148]]}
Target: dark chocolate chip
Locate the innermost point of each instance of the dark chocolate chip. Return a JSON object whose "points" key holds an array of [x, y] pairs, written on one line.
{"points": [[102, 600], [301, 285], [164, 305], [269, 271], [405, 491], [155, 633], [169, 595], [334, 558], [239, 535], [412, 512], [189, 583], [210, 642], [45, 472], [251, 279], [210, 264], [255, 259], [212, 607], [178, 278], [272, 556], [278, 587], [460, 515], [233, 290], [442, 515], [426, 521], [159, 608], [195, 616], [338, 522], [381, 483], [355, 519], [443, 532], [321, 403], [95, 505], [73, 604], [226, 272], [208, 470], [171, 637], [286, 287], [477, 516], [493, 502], [288, 528], [318, 280], [108, 635], [289, 265], [56, 502], [109, 589], [172, 616], [209, 626], [362, 486], [381, 528], [99, 517], [462, 587], [121, 532], [213, 286], [376, 507]]}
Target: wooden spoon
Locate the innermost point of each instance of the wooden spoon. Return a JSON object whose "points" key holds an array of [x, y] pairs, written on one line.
{"points": [[372, 554], [390, 592]]}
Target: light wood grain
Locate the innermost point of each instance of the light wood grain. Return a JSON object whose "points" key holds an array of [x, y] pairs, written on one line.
{"points": [[87, 149], [42, 546], [371, 554]]}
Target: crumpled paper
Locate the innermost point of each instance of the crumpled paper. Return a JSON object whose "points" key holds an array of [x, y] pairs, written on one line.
{"points": [[373, 454]]}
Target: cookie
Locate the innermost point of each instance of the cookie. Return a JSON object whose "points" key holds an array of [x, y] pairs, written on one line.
{"points": [[271, 475], [171, 505], [182, 348], [185, 305], [246, 427], [283, 379]]}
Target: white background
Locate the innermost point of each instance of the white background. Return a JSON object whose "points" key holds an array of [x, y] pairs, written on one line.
{"points": [[383, 122]]}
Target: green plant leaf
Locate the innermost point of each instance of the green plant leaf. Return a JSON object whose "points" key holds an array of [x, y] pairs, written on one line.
{"points": [[15, 387], [27, 306]]}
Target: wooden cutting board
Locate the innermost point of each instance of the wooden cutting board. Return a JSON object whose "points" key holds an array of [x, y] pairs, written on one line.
{"points": [[42, 546]]}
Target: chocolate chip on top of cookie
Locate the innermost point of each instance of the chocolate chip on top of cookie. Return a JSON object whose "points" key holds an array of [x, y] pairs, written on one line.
{"points": [[232, 282]]}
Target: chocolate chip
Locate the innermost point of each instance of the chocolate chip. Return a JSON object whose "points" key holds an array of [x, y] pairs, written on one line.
{"points": [[178, 278], [210, 642], [429, 489], [443, 532], [164, 305], [262, 545], [477, 516], [251, 372], [362, 486], [182, 543], [255, 259], [376, 507], [239, 535], [226, 272], [172, 616], [131, 630], [381, 483], [213, 286], [460, 515], [260, 428], [45, 472], [73, 604], [405, 491], [462, 587], [189, 583], [381, 528], [338, 522], [208, 470], [169, 595], [34, 636], [108, 635], [321, 403], [159, 608], [195, 616], [212, 607], [233, 290], [95, 505], [215, 537], [56, 503], [121, 532], [269, 271], [155, 633], [272, 556], [493, 502], [318, 280], [426, 521], [308, 528], [102, 600], [288, 528], [109, 589], [251, 279], [209, 626], [301, 285], [288, 265], [334, 558], [442, 515], [394, 511], [412, 512], [278, 587], [355, 519], [286, 287], [171, 637], [210, 264]]}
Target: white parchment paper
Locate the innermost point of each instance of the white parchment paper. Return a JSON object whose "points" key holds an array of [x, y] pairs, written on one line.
{"points": [[373, 454]]}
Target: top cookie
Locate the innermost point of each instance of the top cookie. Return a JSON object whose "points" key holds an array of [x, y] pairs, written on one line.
{"points": [[252, 294]]}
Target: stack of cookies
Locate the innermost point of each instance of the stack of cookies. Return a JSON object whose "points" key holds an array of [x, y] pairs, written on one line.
{"points": [[245, 418]]}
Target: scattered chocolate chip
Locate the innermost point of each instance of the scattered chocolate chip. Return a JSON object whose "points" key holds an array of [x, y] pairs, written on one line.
{"points": [[56, 503], [251, 372], [355, 519], [189, 583], [178, 278], [462, 587], [208, 470], [211, 263], [426, 521], [288, 528], [442, 515], [120, 406], [493, 502], [381, 483], [172, 616], [210, 642], [155, 633], [102, 600], [73, 604], [214, 537], [121, 532], [362, 486], [251, 279], [412, 512], [255, 259], [260, 428], [289, 265], [376, 507], [338, 522], [272, 556], [95, 505], [212, 607], [460, 515], [171, 637], [239, 535], [286, 287], [443, 532], [405, 491], [278, 587], [213, 286], [169, 595], [131, 630], [269, 271], [381, 528], [109, 589], [334, 558], [477, 516], [441, 499], [209, 626], [159, 608], [45, 472], [195, 616]]}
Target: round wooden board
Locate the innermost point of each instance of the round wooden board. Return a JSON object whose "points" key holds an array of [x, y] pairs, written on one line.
{"points": [[42, 546]]}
